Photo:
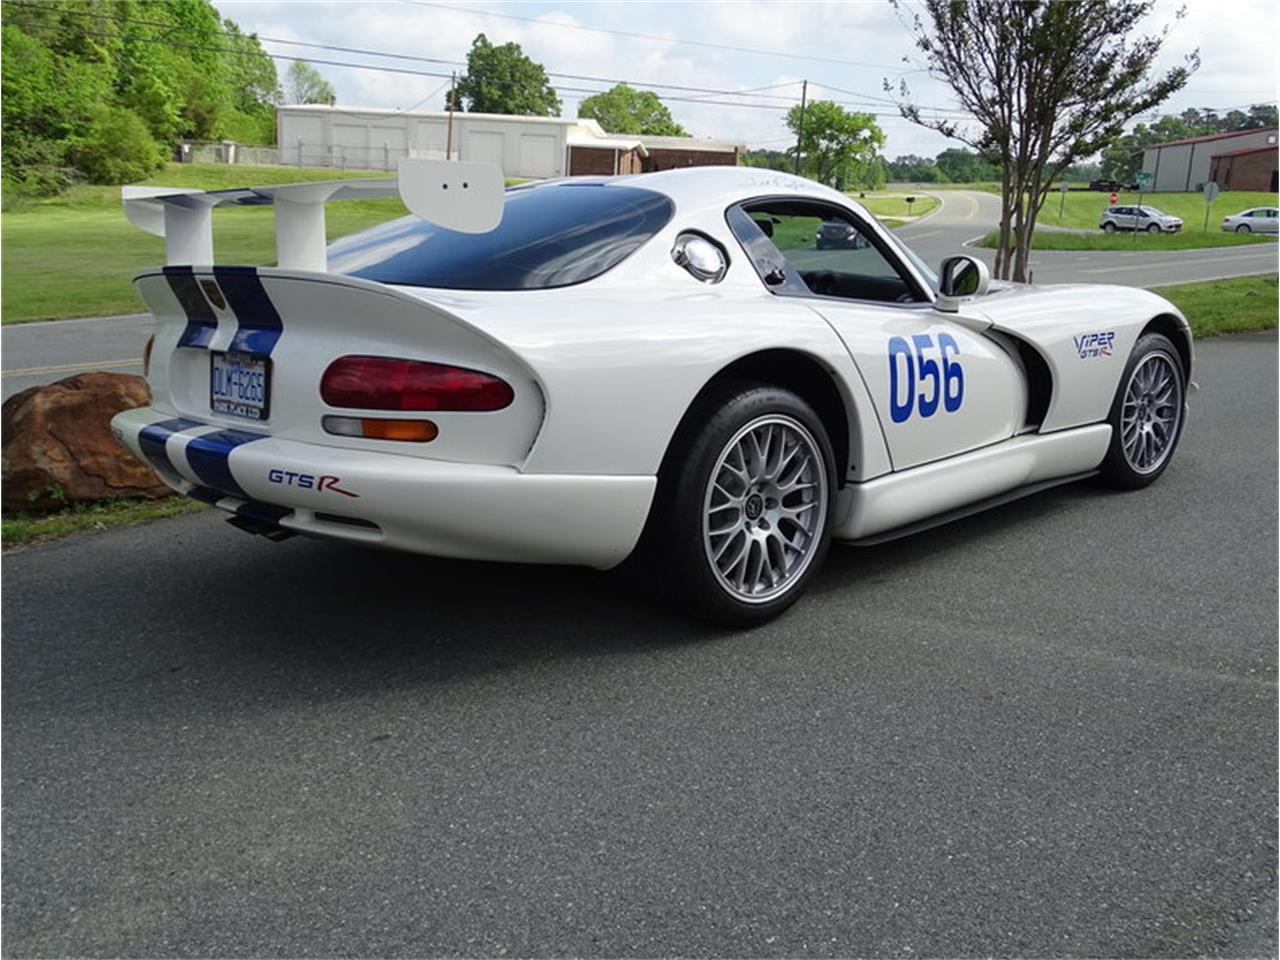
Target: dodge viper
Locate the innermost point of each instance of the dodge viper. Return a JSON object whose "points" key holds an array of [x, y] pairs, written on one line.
{"points": [[662, 367]]}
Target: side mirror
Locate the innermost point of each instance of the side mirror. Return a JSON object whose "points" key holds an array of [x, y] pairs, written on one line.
{"points": [[961, 277]]}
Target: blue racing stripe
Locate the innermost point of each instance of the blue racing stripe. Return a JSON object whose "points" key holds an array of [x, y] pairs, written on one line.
{"points": [[201, 322], [152, 437], [208, 456], [259, 322]]}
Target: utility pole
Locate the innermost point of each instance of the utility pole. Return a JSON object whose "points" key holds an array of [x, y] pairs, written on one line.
{"points": [[453, 90], [804, 96]]}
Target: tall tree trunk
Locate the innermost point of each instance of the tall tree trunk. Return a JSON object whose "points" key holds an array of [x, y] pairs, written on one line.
{"points": [[1003, 245]]}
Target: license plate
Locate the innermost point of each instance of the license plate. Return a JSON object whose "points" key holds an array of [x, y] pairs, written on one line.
{"points": [[240, 385]]}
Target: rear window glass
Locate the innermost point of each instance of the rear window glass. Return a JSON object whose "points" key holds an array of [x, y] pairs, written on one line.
{"points": [[550, 236]]}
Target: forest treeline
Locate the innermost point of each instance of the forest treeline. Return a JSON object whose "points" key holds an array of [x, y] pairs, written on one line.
{"points": [[102, 90]]}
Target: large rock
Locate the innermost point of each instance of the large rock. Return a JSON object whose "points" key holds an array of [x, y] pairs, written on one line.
{"points": [[58, 445]]}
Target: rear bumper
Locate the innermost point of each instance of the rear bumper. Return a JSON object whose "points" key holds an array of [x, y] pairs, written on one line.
{"points": [[472, 511]]}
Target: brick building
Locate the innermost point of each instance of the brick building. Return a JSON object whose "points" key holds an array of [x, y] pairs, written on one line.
{"points": [[1254, 168], [1185, 165], [669, 153]]}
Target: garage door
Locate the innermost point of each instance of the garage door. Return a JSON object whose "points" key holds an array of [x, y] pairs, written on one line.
{"points": [[485, 148], [537, 156]]}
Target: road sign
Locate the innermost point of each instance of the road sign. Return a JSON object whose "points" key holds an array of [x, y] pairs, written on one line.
{"points": [[1210, 191], [1144, 180], [1114, 198]]}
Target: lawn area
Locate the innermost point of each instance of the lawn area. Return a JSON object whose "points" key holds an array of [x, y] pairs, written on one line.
{"points": [[1193, 240], [1237, 305], [20, 527], [895, 205], [1083, 208], [75, 255]]}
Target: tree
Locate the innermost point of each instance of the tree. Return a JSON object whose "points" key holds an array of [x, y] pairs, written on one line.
{"points": [[503, 80], [77, 74], [965, 166], [624, 109], [1048, 82], [834, 141], [303, 83]]}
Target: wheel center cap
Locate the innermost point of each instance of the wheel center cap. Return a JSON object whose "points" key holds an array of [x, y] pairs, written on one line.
{"points": [[754, 506]]}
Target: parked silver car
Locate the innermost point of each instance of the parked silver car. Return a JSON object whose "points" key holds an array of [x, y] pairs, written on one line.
{"points": [[1138, 218], [1257, 220]]}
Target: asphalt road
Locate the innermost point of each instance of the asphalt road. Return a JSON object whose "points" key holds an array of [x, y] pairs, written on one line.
{"points": [[1049, 730], [970, 214], [38, 353]]}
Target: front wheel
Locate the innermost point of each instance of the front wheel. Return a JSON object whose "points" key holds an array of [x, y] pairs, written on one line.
{"points": [[742, 518], [1146, 415], [1244, 228], [1153, 228]]}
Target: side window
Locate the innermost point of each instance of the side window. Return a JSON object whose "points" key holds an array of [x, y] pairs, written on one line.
{"points": [[827, 253]]}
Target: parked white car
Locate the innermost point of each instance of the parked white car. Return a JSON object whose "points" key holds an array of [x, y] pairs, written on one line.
{"points": [[1144, 218], [1257, 220], [659, 364]]}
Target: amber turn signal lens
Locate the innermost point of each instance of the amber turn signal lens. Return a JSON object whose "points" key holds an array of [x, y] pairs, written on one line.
{"points": [[412, 431]]}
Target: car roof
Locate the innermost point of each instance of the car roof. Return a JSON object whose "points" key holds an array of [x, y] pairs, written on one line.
{"points": [[694, 188]]}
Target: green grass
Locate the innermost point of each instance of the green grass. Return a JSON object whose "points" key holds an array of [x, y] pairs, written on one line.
{"points": [[1082, 209], [1193, 240], [1239, 305], [20, 528], [75, 255], [896, 206]]}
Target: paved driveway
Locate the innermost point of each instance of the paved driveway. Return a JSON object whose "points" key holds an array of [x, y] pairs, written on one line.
{"points": [[1044, 731]]}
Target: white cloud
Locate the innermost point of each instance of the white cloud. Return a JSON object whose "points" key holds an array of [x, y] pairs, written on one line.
{"points": [[1237, 45]]}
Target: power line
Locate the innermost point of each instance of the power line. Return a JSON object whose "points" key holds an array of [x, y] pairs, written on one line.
{"points": [[563, 88], [651, 36]]}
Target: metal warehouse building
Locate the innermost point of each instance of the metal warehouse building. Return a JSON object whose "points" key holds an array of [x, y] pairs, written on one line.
{"points": [[1243, 160], [317, 135]]}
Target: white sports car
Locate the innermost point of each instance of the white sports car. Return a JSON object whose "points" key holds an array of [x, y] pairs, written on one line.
{"points": [[665, 366]]}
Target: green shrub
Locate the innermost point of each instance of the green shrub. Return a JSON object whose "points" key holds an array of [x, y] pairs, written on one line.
{"points": [[118, 148]]}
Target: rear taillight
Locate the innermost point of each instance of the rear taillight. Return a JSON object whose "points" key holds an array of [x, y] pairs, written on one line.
{"points": [[387, 383]]}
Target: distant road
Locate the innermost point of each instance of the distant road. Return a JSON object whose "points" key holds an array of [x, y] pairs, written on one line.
{"points": [[44, 352], [969, 214], [36, 353]]}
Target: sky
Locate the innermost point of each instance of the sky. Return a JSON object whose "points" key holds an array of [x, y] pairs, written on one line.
{"points": [[845, 50]]}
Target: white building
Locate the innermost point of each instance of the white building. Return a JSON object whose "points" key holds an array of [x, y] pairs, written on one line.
{"points": [[1185, 165], [318, 135]]}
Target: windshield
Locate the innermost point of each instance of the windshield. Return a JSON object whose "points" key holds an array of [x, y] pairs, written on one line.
{"points": [[930, 277], [1152, 212], [550, 236]]}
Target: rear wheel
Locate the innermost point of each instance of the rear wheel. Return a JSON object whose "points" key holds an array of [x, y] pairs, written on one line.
{"points": [[1108, 227], [1146, 415], [742, 519]]}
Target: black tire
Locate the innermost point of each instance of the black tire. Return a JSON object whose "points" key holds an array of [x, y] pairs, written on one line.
{"points": [[1244, 228], [676, 548], [1108, 227], [1118, 469], [1153, 228]]}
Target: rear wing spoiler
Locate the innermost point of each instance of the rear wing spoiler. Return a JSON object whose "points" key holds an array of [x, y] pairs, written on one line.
{"points": [[456, 195]]}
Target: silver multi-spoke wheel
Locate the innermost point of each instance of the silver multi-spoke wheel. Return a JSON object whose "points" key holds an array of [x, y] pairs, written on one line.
{"points": [[1151, 412], [765, 508]]}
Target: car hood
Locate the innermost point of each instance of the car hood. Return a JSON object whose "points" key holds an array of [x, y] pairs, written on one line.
{"points": [[1037, 312]]}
